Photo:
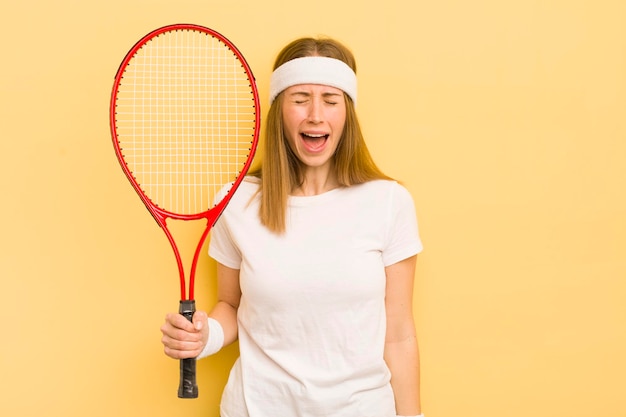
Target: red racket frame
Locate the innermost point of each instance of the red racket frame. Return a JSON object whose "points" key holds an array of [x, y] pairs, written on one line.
{"points": [[159, 214]]}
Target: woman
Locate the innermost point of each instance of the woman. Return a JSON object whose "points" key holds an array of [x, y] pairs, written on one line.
{"points": [[316, 259]]}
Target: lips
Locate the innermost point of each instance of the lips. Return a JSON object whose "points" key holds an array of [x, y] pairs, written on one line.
{"points": [[314, 142]]}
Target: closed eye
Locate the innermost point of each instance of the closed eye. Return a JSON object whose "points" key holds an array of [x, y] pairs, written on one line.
{"points": [[331, 98], [301, 97]]}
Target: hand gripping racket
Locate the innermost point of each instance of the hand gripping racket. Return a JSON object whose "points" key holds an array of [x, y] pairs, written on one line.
{"points": [[185, 118]]}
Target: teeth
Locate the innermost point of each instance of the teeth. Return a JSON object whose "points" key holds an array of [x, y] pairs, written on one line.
{"points": [[314, 136]]}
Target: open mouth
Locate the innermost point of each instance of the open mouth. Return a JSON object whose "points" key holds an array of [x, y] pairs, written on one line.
{"points": [[314, 142]]}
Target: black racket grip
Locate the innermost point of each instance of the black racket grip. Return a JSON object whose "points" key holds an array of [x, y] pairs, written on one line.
{"points": [[187, 387]]}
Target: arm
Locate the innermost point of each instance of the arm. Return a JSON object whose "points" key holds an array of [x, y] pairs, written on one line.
{"points": [[183, 339], [401, 350], [228, 298]]}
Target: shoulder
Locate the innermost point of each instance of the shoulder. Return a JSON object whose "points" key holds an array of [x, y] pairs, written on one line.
{"points": [[382, 189], [382, 196], [249, 185], [387, 195], [243, 195]]}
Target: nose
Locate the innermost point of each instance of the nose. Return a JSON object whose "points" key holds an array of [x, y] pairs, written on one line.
{"points": [[315, 111]]}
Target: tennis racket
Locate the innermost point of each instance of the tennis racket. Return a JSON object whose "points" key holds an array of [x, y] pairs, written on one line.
{"points": [[185, 119]]}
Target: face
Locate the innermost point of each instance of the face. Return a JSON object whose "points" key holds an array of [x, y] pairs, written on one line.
{"points": [[314, 117]]}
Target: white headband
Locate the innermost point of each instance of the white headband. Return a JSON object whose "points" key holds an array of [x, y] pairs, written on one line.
{"points": [[313, 70]]}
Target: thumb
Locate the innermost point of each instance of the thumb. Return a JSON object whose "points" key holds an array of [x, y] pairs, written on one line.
{"points": [[199, 320]]}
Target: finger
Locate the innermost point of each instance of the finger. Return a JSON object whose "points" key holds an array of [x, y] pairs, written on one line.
{"points": [[180, 335], [199, 320], [180, 354], [192, 344], [179, 321]]}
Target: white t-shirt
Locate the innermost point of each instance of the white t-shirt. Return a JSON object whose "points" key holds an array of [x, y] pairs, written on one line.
{"points": [[312, 314]]}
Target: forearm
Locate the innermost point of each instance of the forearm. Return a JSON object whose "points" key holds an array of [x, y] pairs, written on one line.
{"points": [[401, 352], [226, 315], [402, 357], [228, 299]]}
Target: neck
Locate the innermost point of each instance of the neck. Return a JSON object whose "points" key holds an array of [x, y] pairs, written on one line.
{"points": [[316, 182]]}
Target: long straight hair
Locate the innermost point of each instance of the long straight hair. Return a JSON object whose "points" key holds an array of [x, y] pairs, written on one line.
{"points": [[281, 171]]}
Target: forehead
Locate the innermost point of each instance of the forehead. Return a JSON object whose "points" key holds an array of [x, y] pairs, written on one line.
{"points": [[313, 89]]}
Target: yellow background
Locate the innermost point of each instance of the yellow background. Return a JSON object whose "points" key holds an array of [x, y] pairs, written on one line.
{"points": [[505, 119]]}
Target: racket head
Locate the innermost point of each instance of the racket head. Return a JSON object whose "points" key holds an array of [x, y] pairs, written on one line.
{"points": [[185, 120]]}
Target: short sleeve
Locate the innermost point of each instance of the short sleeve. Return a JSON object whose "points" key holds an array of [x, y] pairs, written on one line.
{"points": [[222, 247], [402, 240]]}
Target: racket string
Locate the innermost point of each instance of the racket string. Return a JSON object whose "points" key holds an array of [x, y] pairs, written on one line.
{"points": [[185, 119]]}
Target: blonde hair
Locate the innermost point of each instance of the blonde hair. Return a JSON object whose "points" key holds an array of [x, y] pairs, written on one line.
{"points": [[281, 171]]}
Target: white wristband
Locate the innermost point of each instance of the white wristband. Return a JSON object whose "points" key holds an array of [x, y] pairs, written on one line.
{"points": [[216, 339]]}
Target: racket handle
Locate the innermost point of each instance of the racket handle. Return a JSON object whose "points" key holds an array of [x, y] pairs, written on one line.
{"points": [[187, 387]]}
